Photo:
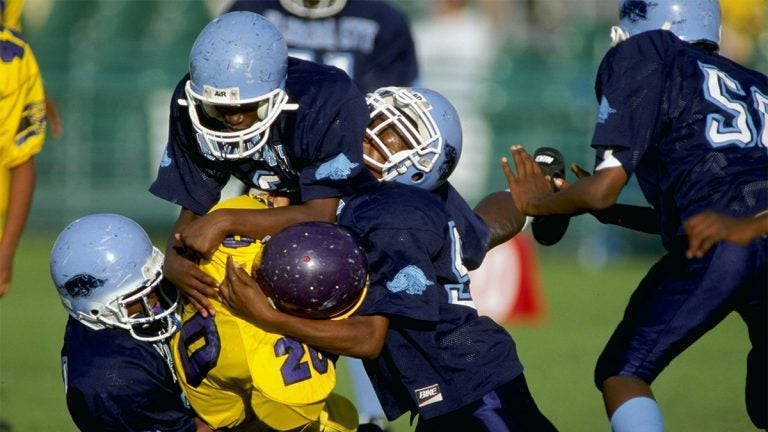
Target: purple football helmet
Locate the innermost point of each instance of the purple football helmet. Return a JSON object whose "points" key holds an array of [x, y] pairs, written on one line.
{"points": [[314, 270]]}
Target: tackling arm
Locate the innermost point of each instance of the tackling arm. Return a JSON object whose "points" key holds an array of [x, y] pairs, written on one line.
{"points": [[502, 216], [533, 194], [205, 233], [357, 336]]}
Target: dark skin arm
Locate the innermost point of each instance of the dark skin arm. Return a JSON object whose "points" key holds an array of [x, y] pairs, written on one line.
{"points": [[637, 218], [533, 193], [502, 216], [195, 237], [707, 228], [357, 336]]}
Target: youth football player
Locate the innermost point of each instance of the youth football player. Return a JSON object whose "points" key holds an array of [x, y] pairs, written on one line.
{"points": [[117, 366], [237, 375], [691, 126], [276, 123], [369, 39], [424, 346], [22, 134]]}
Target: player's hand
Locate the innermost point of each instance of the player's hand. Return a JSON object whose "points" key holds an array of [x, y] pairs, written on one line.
{"points": [[529, 183], [181, 268], [707, 228], [243, 295], [579, 172], [204, 234]]}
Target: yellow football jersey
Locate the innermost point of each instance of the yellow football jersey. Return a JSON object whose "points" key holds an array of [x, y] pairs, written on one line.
{"points": [[232, 371], [22, 109], [10, 13]]}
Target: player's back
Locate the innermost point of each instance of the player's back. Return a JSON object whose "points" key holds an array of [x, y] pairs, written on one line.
{"points": [[115, 382], [700, 126], [370, 40], [418, 280]]}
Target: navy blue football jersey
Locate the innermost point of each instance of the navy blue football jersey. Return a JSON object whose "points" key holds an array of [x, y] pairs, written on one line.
{"points": [[688, 123], [114, 382], [369, 39], [313, 152], [439, 355], [468, 223]]}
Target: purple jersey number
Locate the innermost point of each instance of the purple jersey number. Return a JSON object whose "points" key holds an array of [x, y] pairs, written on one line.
{"points": [[197, 364]]}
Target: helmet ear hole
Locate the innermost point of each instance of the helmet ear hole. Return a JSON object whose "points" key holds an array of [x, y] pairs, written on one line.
{"points": [[417, 177]]}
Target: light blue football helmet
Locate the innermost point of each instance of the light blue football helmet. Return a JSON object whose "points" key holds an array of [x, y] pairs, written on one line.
{"points": [[690, 20], [313, 9], [427, 123], [102, 264], [238, 59]]}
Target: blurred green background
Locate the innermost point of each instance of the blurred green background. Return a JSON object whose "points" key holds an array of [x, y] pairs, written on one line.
{"points": [[111, 65]]}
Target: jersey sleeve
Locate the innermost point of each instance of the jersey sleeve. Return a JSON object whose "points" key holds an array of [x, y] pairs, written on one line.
{"points": [[400, 244], [473, 230], [22, 102], [184, 177], [329, 129], [115, 382], [629, 88]]}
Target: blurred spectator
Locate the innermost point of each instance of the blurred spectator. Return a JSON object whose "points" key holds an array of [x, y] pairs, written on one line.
{"points": [[369, 39], [22, 134], [10, 12], [744, 23]]}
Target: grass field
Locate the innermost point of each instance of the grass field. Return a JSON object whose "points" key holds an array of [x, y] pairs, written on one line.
{"points": [[701, 391]]}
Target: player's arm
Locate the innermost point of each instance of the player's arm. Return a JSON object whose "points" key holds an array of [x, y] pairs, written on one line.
{"points": [[204, 234], [638, 218], [180, 267], [707, 228], [356, 336], [532, 190], [19, 202], [502, 216]]}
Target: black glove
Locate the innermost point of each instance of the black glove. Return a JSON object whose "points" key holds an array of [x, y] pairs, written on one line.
{"points": [[548, 230]]}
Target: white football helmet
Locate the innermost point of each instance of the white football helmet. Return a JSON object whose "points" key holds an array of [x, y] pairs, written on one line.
{"points": [[313, 9], [102, 266], [695, 21], [427, 123], [239, 60]]}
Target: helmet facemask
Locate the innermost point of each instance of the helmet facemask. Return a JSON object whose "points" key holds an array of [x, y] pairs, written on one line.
{"points": [[404, 133], [147, 312], [207, 115]]}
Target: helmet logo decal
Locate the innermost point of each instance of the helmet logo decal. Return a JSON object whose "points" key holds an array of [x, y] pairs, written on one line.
{"points": [[338, 168], [411, 280], [636, 10], [227, 95], [451, 160], [165, 160], [82, 285], [604, 111]]}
